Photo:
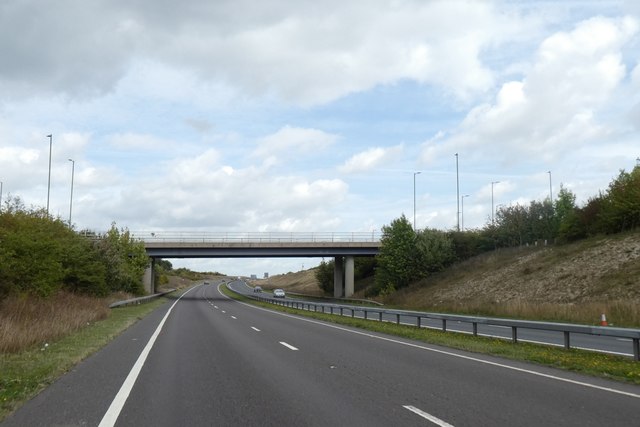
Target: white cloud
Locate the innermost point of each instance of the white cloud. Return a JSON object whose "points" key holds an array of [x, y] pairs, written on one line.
{"points": [[371, 159], [302, 53], [290, 141], [554, 108]]}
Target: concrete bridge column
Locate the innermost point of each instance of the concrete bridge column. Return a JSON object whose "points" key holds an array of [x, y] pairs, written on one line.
{"points": [[338, 272], [148, 279], [349, 277]]}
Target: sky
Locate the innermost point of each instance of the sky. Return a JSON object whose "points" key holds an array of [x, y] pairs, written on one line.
{"points": [[307, 116]]}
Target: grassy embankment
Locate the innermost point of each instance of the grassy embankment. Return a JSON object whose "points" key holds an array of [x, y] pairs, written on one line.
{"points": [[40, 339], [573, 283], [585, 362]]}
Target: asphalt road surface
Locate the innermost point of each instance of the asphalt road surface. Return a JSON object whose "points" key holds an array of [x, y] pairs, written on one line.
{"points": [[207, 360]]}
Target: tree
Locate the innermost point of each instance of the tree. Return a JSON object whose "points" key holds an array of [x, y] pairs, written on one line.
{"points": [[324, 276], [125, 260], [398, 259], [435, 250]]}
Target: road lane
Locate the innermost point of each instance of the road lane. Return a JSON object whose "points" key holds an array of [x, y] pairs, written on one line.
{"points": [[207, 368], [464, 391]]}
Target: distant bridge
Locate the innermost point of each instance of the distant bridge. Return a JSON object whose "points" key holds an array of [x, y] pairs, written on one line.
{"points": [[343, 247]]}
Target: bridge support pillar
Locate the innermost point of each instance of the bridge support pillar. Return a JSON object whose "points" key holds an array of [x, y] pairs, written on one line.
{"points": [[338, 272], [148, 279], [349, 276]]}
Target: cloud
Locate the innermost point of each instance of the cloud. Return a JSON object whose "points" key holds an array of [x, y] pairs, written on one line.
{"points": [[299, 52], [289, 141], [371, 159], [554, 108]]}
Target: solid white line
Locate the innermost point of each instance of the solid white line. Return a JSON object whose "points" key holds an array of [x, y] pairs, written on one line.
{"points": [[111, 416], [289, 346], [429, 417], [255, 329], [448, 353]]}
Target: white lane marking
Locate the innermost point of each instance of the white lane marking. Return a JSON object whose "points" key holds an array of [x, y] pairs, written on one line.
{"points": [[448, 353], [427, 416], [216, 307], [111, 416], [223, 311], [255, 329], [233, 317], [289, 346]]}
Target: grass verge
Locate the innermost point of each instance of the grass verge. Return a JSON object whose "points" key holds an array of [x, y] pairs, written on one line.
{"points": [[601, 365], [25, 374]]}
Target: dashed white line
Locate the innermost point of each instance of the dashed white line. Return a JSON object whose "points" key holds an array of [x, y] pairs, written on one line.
{"points": [[224, 311], [233, 317], [216, 307], [449, 353], [289, 346], [255, 329], [435, 420]]}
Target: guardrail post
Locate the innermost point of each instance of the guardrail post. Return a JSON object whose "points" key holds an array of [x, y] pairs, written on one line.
{"points": [[397, 319], [341, 311], [514, 334], [419, 321], [444, 325], [475, 329], [365, 315], [331, 309], [353, 312], [567, 343], [636, 349]]}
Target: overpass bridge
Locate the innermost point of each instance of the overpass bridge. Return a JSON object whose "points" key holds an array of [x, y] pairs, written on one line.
{"points": [[343, 247]]}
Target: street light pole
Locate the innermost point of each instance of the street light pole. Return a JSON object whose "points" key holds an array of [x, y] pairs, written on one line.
{"points": [[492, 211], [462, 211], [1, 184], [458, 192], [550, 192], [414, 198], [49, 181], [73, 170]]}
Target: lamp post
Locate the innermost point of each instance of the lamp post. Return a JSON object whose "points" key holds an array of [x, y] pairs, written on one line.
{"points": [[458, 192], [73, 169], [492, 212], [50, 136], [1, 184], [414, 198], [462, 211], [550, 192]]}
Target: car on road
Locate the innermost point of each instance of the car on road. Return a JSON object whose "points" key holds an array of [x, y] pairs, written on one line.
{"points": [[205, 282], [257, 289], [278, 293]]}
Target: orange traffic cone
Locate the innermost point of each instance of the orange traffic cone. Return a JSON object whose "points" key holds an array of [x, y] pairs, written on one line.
{"points": [[603, 320]]}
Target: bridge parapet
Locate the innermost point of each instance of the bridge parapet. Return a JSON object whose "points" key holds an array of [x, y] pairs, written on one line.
{"points": [[255, 237]]}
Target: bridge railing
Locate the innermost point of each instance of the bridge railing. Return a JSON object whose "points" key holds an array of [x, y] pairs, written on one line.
{"points": [[254, 237]]}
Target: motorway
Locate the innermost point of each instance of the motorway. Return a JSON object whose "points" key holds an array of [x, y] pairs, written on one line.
{"points": [[204, 359], [604, 344]]}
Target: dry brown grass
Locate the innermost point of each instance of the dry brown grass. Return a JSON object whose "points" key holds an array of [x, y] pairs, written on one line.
{"points": [[618, 313], [26, 322]]}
